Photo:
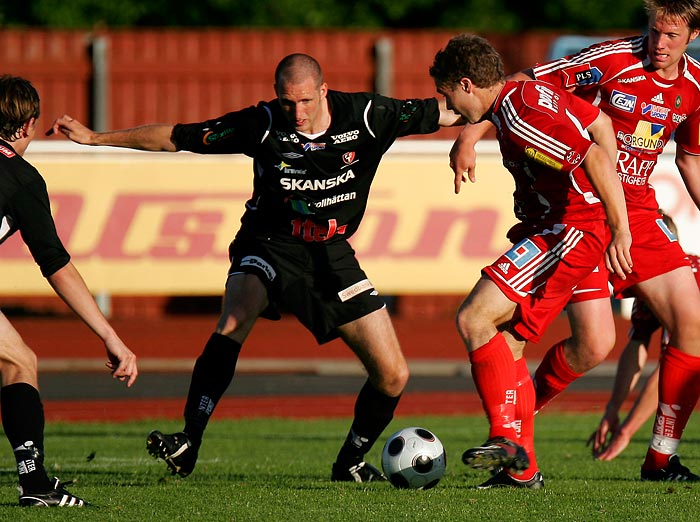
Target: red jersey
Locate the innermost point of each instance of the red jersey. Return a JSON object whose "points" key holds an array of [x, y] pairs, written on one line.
{"points": [[541, 132], [645, 108]]}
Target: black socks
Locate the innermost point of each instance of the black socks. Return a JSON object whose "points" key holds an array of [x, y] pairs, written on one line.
{"points": [[211, 376], [23, 422], [373, 413]]}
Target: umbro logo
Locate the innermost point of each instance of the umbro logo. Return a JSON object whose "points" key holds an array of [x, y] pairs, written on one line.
{"points": [[659, 98], [504, 267]]}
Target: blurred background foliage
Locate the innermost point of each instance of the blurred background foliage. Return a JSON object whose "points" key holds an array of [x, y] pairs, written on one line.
{"points": [[504, 16]]}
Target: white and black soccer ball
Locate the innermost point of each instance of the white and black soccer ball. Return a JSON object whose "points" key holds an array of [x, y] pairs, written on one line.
{"points": [[414, 458]]}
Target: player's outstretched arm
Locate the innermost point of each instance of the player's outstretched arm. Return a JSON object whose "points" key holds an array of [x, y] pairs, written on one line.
{"points": [[629, 369], [644, 407], [155, 137], [70, 287]]}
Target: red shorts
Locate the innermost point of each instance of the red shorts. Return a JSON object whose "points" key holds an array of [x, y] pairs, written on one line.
{"points": [[595, 285], [655, 251], [541, 272]]}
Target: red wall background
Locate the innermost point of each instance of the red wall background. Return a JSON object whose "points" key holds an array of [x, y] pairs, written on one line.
{"points": [[174, 75]]}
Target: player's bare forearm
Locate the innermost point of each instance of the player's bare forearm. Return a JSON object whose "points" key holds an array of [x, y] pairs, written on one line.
{"points": [[629, 369], [645, 405], [463, 153], [601, 172], [70, 287], [155, 137]]}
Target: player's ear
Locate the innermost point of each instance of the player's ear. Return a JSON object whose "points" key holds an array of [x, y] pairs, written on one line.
{"points": [[466, 85], [323, 89], [694, 34], [26, 127]]}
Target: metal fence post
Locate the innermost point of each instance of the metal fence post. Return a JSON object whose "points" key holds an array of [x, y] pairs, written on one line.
{"points": [[384, 73], [100, 83]]}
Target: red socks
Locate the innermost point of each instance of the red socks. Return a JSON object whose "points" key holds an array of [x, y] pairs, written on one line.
{"points": [[525, 415], [553, 375], [679, 389], [493, 371]]}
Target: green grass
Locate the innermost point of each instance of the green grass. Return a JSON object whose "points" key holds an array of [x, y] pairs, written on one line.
{"points": [[277, 470]]}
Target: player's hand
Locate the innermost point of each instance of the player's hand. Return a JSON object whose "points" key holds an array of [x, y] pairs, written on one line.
{"points": [[598, 440], [618, 259], [463, 162], [122, 361], [619, 441], [72, 129]]}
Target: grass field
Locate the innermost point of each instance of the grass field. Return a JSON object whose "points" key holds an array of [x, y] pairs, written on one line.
{"points": [[278, 470]]}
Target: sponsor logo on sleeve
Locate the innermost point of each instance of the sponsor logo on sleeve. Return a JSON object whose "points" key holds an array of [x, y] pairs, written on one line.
{"points": [[581, 74], [539, 157], [212, 137]]}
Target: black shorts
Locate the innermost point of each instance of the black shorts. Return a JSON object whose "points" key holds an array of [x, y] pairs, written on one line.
{"points": [[321, 284]]}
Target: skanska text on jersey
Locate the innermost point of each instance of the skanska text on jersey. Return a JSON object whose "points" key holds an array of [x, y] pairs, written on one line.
{"points": [[316, 184]]}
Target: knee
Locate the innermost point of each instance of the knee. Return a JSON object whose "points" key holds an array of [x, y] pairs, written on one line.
{"points": [[474, 328], [464, 322], [235, 325], [392, 382], [18, 364], [588, 351]]}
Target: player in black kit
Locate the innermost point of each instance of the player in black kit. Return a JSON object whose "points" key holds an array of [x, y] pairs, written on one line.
{"points": [[315, 155], [24, 207]]}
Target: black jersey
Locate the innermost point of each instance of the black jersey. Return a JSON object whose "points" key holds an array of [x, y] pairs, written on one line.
{"points": [[311, 189], [24, 206]]}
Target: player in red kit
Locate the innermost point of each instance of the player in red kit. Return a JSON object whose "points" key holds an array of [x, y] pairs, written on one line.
{"points": [[559, 150], [650, 89], [612, 437]]}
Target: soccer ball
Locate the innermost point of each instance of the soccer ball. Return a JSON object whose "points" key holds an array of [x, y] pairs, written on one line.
{"points": [[414, 458]]}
